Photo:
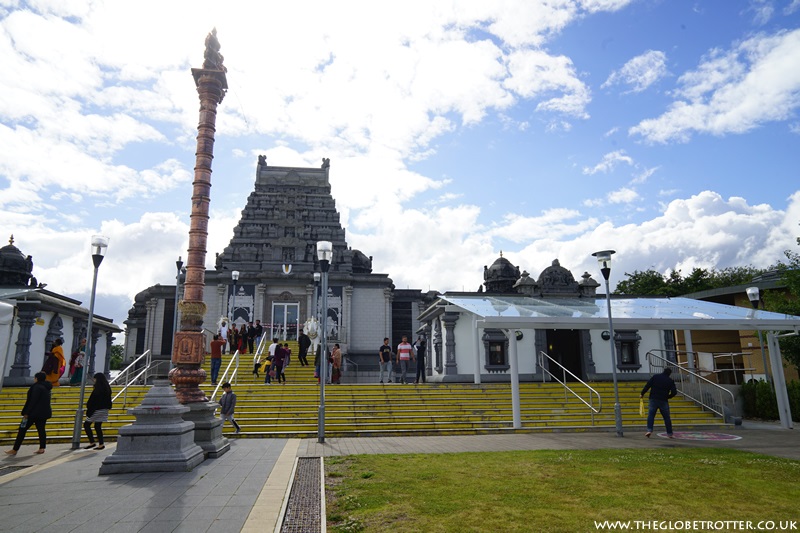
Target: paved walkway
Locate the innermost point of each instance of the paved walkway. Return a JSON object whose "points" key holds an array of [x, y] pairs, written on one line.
{"points": [[244, 489]]}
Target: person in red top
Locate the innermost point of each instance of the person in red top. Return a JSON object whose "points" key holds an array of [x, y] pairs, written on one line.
{"points": [[405, 353], [216, 357]]}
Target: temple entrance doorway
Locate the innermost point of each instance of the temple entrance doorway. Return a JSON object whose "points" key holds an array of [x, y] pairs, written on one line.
{"points": [[564, 346], [285, 317]]}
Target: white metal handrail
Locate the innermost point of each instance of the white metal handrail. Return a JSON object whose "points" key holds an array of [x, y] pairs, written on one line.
{"points": [[126, 373], [346, 362], [564, 371], [693, 386], [225, 375]]}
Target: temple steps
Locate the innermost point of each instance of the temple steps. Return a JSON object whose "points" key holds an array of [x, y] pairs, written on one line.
{"points": [[353, 410]]}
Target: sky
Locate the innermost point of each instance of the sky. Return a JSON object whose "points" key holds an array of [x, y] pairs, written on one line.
{"points": [[666, 130]]}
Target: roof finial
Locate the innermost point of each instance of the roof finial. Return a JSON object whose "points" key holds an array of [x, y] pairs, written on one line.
{"points": [[11, 240], [501, 253]]}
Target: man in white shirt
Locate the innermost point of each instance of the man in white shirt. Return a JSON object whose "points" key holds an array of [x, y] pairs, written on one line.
{"points": [[405, 353]]}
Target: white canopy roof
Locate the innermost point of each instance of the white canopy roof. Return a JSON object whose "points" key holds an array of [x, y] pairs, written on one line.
{"points": [[524, 312]]}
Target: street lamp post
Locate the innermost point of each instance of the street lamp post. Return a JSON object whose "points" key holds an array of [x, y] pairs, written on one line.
{"points": [[232, 304], [604, 259], [315, 302], [324, 254], [99, 245], [754, 296]]}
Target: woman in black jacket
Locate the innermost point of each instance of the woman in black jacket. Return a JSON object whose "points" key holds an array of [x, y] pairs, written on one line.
{"points": [[35, 411], [97, 408]]}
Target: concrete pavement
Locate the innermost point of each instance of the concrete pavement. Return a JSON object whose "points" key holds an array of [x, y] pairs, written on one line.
{"points": [[244, 489]]}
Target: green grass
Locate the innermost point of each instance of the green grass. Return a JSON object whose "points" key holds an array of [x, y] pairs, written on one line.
{"points": [[556, 490]]}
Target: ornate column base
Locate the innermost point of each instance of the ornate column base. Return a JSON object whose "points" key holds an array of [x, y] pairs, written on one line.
{"points": [[207, 428], [159, 440], [187, 375]]}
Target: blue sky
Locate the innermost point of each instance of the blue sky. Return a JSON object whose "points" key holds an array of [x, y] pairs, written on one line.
{"points": [[667, 130]]}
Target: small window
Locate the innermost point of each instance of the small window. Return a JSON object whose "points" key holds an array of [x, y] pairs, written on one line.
{"points": [[627, 344], [495, 343]]}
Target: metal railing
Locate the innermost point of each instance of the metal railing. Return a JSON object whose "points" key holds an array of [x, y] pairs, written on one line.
{"points": [[693, 386], [227, 376], [132, 375], [564, 371], [346, 363]]}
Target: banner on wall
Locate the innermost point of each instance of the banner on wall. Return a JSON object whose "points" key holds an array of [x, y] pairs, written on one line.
{"points": [[335, 317], [242, 304]]}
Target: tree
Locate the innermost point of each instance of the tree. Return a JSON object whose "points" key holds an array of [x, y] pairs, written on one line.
{"points": [[653, 283], [117, 352], [788, 302]]}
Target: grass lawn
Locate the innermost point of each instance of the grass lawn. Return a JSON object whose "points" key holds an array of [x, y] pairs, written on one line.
{"points": [[564, 490]]}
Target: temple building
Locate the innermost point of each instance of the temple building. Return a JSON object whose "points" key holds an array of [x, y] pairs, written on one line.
{"points": [[39, 317], [273, 249]]}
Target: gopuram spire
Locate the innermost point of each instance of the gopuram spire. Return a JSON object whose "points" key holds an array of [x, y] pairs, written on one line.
{"points": [[189, 345]]}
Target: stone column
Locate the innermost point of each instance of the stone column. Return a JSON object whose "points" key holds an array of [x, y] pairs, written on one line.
{"points": [[95, 338], [107, 364], [347, 306], [190, 342], [78, 332], [26, 316], [437, 343], [388, 296], [450, 320]]}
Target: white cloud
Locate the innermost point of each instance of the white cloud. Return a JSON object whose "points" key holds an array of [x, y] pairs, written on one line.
{"points": [[609, 162], [733, 92], [643, 176], [624, 195], [640, 72]]}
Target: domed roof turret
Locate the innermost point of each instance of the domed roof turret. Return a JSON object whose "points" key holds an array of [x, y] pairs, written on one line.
{"points": [[556, 280], [501, 276], [15, 267]]}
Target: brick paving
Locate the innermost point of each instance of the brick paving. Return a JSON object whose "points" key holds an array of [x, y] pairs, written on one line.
{"points": [[244, 490]]}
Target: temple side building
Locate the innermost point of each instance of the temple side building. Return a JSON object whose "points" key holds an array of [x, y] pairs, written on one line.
{"points": [[39, 317]]}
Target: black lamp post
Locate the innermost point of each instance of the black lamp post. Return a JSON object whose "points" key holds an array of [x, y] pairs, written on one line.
{"points": [[604, 260], [754, 296], [99, 245], [324, 254], [232, 305]]}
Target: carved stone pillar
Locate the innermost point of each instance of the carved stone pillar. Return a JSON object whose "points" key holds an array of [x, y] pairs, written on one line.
{"points": [[261, 296], [190, 342], [26, 316], [95, 338], [222, 297], [107, 364], [388, 296], [450, 320], [79, 326], [437, 343], [347, 306]]}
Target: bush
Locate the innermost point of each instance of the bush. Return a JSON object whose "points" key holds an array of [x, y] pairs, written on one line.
{"points": [[758, 399]]}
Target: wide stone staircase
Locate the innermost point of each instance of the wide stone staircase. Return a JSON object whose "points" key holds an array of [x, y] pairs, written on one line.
{"points": [[359, 410]]}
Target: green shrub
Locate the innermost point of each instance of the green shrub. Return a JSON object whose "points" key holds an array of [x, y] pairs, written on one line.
{"points": [[758, 400]]}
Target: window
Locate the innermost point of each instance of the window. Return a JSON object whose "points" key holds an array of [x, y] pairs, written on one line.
{"points": [[495, 343], [627, 344]]}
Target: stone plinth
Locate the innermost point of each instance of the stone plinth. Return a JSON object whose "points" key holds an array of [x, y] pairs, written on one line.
{"points": [[207, 428], [160, 440]]}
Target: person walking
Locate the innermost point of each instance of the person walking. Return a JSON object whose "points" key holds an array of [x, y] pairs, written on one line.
{"points": [[336, 365], [420, 346], [305, 343], [76, 364], [223, 333], [287, 358], [216, 357], [227, 404], [385, 357], [36, 411], [277, 363], [251, 337], [405, 353], [662, 388], [55, 364], [97, 408], [259, 333], [270, 361]]}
